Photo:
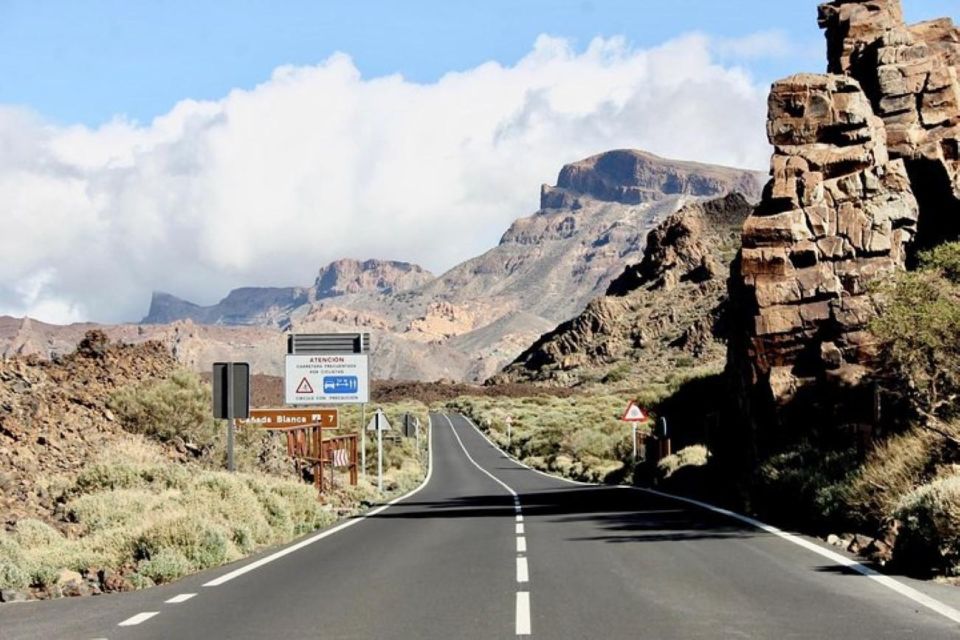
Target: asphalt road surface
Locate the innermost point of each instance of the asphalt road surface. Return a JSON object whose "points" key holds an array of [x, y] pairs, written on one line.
{"points": [[490, 549]]}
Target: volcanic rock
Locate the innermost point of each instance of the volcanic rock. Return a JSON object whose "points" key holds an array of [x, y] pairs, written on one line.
{"points": [[864, 172]]}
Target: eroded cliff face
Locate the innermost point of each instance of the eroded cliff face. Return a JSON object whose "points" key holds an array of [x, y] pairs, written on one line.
{"points": [[660, 311], [864, 170]]}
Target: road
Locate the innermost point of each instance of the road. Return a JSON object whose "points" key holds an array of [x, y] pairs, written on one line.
{"points": [[490, 549]]}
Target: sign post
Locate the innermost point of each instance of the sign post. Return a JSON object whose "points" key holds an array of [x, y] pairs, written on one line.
{"points": [[634, 415], [363, 441], [509, 421], [379, 423], [231, 398]]}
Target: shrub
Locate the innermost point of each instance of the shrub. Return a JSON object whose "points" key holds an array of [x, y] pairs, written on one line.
{"points": [[892, 470], [692, 456], [178, 406], [202, 544], [165, 566], [929, 537], [945, 258], [919, 328]]}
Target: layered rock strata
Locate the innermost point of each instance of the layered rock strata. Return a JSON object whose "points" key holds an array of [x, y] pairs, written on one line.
{"points": [[864, 171]]}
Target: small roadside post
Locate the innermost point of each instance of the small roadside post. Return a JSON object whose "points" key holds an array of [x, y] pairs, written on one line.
{"points": [[379, 423], [363, 442], [509, 421], [416, 430], [231, 398], [634, 415]]}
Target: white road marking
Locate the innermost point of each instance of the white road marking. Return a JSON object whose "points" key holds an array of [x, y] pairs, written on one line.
{"points": [[894, 585], [137, 619], [523, 571], [519, 518], [523, 613], [517, 508], [183, 597], [906, 591], [524, 465], [236, 573], [516, 498], [521, 544], [523, 597]]}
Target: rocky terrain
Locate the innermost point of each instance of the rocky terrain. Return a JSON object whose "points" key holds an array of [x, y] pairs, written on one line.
{"points": [[463, 325], [659, 315], [54, 414], [864, 172]]}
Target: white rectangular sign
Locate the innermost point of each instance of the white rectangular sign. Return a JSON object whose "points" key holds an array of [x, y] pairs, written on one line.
{"points": [[327, 379]]}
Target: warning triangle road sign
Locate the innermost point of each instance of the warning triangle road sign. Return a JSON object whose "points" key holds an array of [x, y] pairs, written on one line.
{"points": [[634, 414], [379, 419], [304, 387]]}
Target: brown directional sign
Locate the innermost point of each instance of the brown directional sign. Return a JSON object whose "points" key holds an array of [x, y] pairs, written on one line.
{"points": [[279, 418]]}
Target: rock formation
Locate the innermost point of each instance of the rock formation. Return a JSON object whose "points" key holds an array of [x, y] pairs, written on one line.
{"points": [[369, 276], [628, 176], [864, 169], [658, 312], [272, 306]]}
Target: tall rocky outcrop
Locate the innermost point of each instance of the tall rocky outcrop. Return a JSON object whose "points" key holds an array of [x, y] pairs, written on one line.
{"points": [[665, 309], [864, 170]]}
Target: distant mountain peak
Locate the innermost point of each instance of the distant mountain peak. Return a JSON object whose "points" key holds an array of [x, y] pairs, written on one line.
{"points": [[347, 275], [631, 176]]}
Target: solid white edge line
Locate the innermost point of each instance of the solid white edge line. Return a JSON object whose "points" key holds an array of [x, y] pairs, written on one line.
{"points": [[904, 590], [524, 465], [523, 613], [183, 597], [503, 484], [523, 571], [521, 544], [137, 619], [236, 573]]}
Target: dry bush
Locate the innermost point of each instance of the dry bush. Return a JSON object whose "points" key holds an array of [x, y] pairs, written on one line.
{"points": [[891, 471], [929, 536], [692, 456]]}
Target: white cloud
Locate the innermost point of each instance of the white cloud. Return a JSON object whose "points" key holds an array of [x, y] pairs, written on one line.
{"points": [[266, 185], [761, 44]]}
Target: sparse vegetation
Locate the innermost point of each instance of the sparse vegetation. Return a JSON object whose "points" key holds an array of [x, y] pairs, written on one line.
{"points": [[156, 505], [580, 437], [692, 456]]}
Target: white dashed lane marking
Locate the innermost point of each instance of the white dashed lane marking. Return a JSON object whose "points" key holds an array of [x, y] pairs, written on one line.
{"points": [[523, 573], [521, 544], [523, 613], [183, 597], [137, 619]]}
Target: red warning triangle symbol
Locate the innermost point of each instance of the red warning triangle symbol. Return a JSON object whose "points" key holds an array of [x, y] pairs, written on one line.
{"points": [[304, 387]]}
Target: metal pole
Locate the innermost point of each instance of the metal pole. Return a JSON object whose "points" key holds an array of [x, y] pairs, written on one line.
{"points": [[379, 454], [230, 429], [231, 411], [634, 425], [363, 440], [416, 431]]}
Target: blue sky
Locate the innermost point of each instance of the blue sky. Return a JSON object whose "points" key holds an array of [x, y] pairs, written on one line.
{"points": [[195, 147], [84, 61]]}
